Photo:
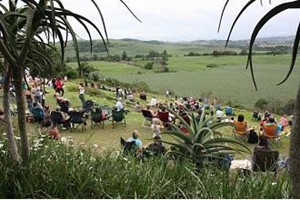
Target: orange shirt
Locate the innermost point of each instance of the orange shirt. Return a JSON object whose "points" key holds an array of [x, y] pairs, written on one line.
{"points": [[270, 129], [240, 127]]}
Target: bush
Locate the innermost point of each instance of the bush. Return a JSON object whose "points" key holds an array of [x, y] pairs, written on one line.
{"points": [[71, 73], [149, 65], [261, 103], [93, 91]]}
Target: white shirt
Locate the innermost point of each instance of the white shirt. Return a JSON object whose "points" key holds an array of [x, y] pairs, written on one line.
{"points": [[81, 90], [219, 113], [119, 106], [153, 102]]}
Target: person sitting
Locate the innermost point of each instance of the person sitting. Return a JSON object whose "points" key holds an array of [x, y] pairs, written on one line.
{"points": [[263, 144], [64, 105], [148, 107], [138, 147], [157, 126], [119, 106], [270, 128], [219, 114], [138, 107], [155, 148], [53, 132], [153, 102], [66, 117], [283, 122], [199, 114], [38, 112], [241, 126], [143, 96]]}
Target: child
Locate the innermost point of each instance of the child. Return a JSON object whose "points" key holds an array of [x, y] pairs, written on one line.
{"points": [[156, 127], [53, 133]]}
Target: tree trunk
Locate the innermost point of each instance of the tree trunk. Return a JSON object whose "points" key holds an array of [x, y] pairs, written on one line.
{"points": [[12, 146], [20, 98], [294, 162]]}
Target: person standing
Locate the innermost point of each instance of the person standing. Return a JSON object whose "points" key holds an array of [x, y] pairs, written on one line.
{"points": [[81, 94]]}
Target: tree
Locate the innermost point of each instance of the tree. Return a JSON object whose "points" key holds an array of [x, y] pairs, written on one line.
{"points": [[124, 56], [294, 151], [21, 26]]}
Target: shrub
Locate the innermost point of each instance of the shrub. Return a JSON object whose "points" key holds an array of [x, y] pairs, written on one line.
{"points": [[71, 73], [149, 65], [93, 91], [261, 103]]}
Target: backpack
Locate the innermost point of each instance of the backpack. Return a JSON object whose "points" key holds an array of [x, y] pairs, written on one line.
{"points": [[252, 137]]}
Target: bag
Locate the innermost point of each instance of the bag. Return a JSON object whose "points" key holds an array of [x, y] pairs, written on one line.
{"points": [[252, 137]]}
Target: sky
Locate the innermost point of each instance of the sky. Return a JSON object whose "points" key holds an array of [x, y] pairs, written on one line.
{"points": [[182, 20]]}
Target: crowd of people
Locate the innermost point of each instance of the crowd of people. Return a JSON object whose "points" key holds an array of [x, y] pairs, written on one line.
{"points": [[268, 126]]}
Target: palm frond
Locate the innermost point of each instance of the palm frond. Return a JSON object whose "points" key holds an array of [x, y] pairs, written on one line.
{"points": [[294, 55], [236, 19], [272, 13], [130, 11]]}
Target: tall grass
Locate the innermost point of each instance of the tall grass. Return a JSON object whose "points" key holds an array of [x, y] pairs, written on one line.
{"points": [[60, 170]]}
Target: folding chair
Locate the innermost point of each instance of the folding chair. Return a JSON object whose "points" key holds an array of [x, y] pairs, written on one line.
{"points": [[147, 118], [97, 118], [270, 131], [118, 117], [77, 120], [128, 147], [57, 118], [265, 160]]}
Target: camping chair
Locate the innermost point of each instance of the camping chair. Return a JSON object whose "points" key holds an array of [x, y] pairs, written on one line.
{"points": [[270, 131], [240, 129], [97, 118], [118, 117], [77, 120], [106, 111], [57, 118], [265, 160], [147, 118], [128, 147], [164, 118]]}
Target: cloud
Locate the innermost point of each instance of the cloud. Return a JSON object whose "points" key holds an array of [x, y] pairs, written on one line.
{"points": [[176, 20]]}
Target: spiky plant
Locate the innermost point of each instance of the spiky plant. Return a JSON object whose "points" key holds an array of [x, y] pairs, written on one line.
{"points": [[204, 142]]}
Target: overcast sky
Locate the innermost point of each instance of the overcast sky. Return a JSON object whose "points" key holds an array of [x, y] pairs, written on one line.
{"points": [[183, 20]]}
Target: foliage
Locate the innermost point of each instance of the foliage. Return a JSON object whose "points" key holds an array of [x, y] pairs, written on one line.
{"points": [[93, 92], [204, 141], [59, 170], [261, 103], [149, 65]]}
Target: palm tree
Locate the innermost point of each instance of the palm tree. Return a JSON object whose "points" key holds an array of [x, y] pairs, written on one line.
{"points": [[295, 132], [26, 31], [204, 141]]}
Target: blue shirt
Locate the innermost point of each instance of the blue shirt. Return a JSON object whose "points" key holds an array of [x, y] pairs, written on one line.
{"points": [[138, 142]]}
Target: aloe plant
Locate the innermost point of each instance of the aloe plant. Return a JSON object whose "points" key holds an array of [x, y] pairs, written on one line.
{"points": [[204, 142]]}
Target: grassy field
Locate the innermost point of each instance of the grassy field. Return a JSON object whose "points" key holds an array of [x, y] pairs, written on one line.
{"points": [[227, 80]]}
